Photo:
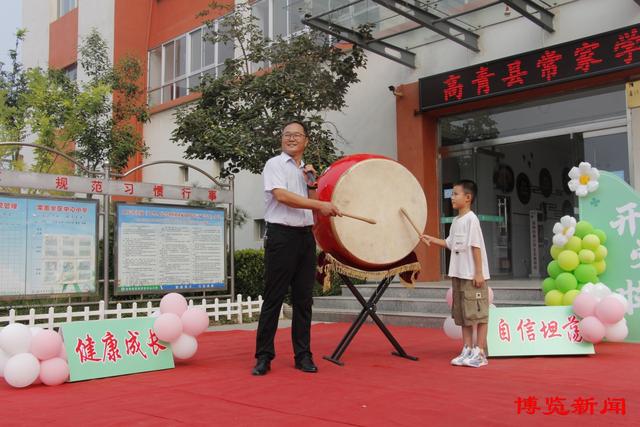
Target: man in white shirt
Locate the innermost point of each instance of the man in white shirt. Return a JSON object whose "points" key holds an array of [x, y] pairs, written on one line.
{"points": [[290, 248]]}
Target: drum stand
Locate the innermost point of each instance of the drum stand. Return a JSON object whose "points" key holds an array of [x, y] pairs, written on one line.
{"points": [[368, 309]]}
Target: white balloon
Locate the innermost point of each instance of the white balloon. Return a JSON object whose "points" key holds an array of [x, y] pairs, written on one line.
{"points": [[155, 313], [588, 288], [15, 338], [617, 332], [622, 299], [452, 330], [21, 370], [35, 330], [184, 347], [601, 290], [492, 306], [3, 361]]}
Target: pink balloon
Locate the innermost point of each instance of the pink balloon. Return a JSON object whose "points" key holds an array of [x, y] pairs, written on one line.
{"points": [[63, 352], [617, 332], [584, 305], [46, 344], [592, 329], [490, 295], [168, 327], [194, 321], [610, 310], [173, 303], [449, 297], [54, 371]]}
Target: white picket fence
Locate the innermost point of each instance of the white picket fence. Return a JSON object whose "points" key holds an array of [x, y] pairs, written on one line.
{"points": [[217, 309]]}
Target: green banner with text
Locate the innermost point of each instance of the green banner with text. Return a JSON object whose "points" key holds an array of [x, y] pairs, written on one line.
{"points": [[535, 331], [614, 208], [107, 348]]}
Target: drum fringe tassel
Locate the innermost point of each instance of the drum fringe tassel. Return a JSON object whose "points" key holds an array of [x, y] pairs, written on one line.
{"points": [[407, 270]]}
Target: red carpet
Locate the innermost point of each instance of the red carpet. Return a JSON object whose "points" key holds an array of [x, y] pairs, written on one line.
{"points": [[372, 389]]}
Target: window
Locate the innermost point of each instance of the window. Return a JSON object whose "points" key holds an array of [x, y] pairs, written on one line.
{"points": [[259, 228], [66, 6], [177, 67], [71, 72]]}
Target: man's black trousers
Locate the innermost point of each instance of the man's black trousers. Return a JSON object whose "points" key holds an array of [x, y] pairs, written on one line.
{"points": [[290, 262]]}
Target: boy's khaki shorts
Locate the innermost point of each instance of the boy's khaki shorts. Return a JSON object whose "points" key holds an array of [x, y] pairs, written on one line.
{"points": [[470, 304]]}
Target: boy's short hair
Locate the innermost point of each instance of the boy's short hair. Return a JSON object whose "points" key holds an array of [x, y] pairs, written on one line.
{"points": [[469, 187]]}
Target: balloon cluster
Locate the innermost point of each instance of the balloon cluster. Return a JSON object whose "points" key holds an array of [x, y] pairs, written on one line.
{"points": [[578, 261], [179, 324], [32, 355], [602, 313], [450, 328]]}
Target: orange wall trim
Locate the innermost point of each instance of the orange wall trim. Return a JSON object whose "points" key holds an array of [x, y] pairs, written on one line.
{"points": [[63, 40], [417, 150]]}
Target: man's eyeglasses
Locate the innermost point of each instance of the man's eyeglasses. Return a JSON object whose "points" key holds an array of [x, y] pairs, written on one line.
{"points": [[296, 135]]}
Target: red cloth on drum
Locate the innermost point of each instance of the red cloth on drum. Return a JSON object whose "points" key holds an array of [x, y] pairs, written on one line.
{"points": [[407, 269]]}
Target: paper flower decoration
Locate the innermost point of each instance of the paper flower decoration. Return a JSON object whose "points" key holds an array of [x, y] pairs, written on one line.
{"points": [[584, 179], [563, 230]]}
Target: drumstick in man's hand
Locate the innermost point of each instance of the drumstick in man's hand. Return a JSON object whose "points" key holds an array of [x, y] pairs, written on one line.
{"points": [[415, 227], [360, 218]]}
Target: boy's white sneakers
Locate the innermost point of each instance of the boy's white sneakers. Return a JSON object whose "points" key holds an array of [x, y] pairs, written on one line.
{"points": [[459, 360], [476, 359]]}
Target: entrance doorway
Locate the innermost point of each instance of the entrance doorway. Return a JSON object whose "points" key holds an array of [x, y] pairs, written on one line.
{"points": [[523, 192]]}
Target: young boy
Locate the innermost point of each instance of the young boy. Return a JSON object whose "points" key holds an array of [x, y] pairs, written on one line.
{"points": [[468, 270]]}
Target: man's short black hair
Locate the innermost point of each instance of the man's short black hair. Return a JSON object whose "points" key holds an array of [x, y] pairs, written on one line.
{"points": [[469, 187], [299, 122]]}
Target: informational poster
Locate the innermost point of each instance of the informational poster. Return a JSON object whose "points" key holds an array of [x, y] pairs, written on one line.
{"points": [[47, 246], [164, 248]]}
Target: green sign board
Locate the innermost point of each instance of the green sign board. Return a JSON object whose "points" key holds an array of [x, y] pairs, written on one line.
{"points": [[615, 208], [107, 348], [535, 331]]}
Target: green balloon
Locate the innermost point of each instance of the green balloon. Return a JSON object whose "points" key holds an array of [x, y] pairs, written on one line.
{"points": [[591, 241], [568, 297], [586, 273], [586, 256], [600, 266], [580, 285], [548, 284], [554, 269], [601, 235], [583, 228], [566, 282], [555, 251], [574, 244], [601, 252], [568, 260], [553, 297]]}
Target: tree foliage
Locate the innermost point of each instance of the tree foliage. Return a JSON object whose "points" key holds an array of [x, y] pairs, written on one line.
{"points": [[238, 119], [92, 120]]}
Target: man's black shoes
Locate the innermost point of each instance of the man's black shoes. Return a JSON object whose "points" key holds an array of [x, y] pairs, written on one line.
{"points": [[306, 365], [262, 367]]}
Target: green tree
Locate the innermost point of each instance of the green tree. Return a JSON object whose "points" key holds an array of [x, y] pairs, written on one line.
{"points": [[240, 114], [13, 84], [92, 121]]}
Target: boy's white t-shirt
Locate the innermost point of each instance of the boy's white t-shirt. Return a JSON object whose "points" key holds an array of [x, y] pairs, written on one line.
{"points": [[464, 234]]}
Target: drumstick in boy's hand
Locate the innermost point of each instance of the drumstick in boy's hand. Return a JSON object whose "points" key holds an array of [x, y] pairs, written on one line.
{"points": [[406, 215]]}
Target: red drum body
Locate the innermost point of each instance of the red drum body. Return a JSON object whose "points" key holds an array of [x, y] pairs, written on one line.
{"points": [[375, 187]]}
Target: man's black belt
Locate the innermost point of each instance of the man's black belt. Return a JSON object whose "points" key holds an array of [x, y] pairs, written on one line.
{"points": [[276, 226]]}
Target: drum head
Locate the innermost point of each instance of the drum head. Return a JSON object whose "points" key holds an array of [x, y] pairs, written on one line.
{"points": [[377, 189]]}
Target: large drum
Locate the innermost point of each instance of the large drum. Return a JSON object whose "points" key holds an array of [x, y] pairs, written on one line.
{"points": [[375, 187]]}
